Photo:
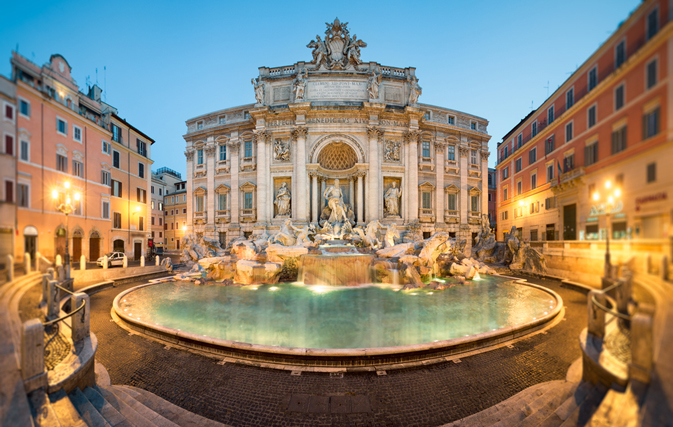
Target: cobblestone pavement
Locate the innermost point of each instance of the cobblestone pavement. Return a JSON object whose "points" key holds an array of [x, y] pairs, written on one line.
{"points": [[425, 396]]}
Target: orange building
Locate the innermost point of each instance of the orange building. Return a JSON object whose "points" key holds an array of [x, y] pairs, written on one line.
{"points": [[64, 135], [607, 125]]}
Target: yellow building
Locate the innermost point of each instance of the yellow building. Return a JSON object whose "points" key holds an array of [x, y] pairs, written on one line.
{"points": [[175, 215], [130, 179]]}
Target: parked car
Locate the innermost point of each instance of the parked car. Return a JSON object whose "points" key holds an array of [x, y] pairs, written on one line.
{"points": [[113, 258]]}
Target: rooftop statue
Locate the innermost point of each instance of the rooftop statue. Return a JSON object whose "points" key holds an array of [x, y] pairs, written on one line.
{"points": [[373, 85], [299, 86], [338, 51], [258, 84], [414, 90]]}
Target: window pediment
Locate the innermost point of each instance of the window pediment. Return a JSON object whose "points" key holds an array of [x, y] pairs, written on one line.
{"points": [[474, 191], [222, 189], [248, 186], [200, 191], [426, 186], [451, 188]]}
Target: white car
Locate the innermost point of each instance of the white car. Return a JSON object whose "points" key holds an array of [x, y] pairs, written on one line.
{"points": [[113, 258]]}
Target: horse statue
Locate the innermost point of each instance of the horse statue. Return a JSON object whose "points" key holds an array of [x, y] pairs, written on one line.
{"points": [[369, 235]]}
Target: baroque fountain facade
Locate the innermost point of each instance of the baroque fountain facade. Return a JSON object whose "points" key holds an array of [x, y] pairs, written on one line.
{"points": [[336, 122]]}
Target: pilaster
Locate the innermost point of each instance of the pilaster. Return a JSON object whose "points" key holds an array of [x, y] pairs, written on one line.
{"points": [[261, 138], [463, 152], [211, 148], [484, 181], [439, 190], [374, 196], [189, 155], [412, 138], [234, 148], [300, 200]]}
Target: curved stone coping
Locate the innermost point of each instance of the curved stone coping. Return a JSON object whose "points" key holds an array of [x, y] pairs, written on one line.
{"points": [[316, 355]]}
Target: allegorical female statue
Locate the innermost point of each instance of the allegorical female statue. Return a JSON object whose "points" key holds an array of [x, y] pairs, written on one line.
{"points": [[335, 201], [392, 200], [282, 201]]}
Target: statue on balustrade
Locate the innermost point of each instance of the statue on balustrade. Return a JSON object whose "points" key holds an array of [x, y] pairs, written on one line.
{"points": [[373, 85], [258, 84], [282, 202], [414, 90], [299, 86], [392, 200]]}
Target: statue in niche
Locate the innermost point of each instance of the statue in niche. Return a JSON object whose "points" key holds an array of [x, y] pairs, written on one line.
{"points": [[335, 202], [392, 200], [282, 201], [299, 86], [391, 151], [259, 90], [281, 150], [414, 90], [373, 85]]}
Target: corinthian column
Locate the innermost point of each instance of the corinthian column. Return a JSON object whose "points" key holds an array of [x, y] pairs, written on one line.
{"points": [[234, 145], [262, 174], [360, 199], [439, 191], [484, 181], [210, 197], [189, 154], [464, 187], [374, 195], [314, 199], [301, 200], [412, 168]]}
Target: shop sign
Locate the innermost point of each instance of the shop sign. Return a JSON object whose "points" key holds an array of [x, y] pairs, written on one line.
{"points": [[601, 209], [657, 197]]}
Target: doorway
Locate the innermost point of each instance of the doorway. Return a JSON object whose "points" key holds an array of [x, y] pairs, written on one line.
{"points": [[118, 246], [94, 246], [60, 242], [77, 245], [570, 222], [137, 250], [30, 240]]}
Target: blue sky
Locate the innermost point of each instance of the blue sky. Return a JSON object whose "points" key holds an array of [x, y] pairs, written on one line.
{"points": [[168, 61]]}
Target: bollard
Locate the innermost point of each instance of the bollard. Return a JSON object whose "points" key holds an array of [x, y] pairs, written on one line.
{"points": [[82, 263], [46, 278], [67, 271], [52, 301], [642, 351], [58, 260], [10, 268], [596, 316], [142, 260], [80, 321], [32, 349], [26, 262], [61, 275], [157, 260], [664, 268], [126, 262], [105, 262], [38, 257], [646, 263]]}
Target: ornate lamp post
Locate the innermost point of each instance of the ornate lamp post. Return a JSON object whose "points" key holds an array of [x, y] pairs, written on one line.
{"points": [[611, 196], [67, 206]]}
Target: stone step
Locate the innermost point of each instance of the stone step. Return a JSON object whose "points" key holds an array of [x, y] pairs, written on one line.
{"points": [[41, 410], [618, 409], [501, 410], [552, 402], [583, 413], [111, 415], [146, 412], [86, 410], [531, 407], [65, 411], [568, 407], [178, 415], [131, 415]]}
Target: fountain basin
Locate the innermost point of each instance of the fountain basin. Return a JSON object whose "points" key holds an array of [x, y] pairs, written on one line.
{"points": [[321, 326]]}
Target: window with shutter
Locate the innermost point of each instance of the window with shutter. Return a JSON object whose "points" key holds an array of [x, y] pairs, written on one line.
{"points": [[9, 145]]}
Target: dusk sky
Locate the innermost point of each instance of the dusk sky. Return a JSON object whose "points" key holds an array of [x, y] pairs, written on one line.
{"points": [[170, 61]]}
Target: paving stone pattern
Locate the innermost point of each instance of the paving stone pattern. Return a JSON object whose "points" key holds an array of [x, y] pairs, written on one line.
{"points": [[431, 395]]}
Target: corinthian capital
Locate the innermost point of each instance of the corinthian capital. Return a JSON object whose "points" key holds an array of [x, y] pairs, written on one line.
{"points": [[464, 151], [189, 154], [299, 132], [210, 150], [484, 155], [412, 136], [374, 132]]}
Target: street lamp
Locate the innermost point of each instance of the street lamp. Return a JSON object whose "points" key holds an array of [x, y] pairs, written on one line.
{"points": [[612, 195], [67, 206]]}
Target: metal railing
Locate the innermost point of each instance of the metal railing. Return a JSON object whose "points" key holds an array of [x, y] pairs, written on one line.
{"points": [[606, 291], [72, 312]]}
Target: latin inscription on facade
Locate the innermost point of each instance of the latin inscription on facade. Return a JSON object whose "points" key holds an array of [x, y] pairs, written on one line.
{"points": [[336, 120], [337, 90], [275, 123], [393, 94], [281, 93]]}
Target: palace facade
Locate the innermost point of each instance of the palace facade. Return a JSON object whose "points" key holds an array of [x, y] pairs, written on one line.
{"points": [[336, 118]]}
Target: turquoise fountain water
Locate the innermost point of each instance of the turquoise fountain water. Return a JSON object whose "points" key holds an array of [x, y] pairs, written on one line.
{"points": [[304, 316]]}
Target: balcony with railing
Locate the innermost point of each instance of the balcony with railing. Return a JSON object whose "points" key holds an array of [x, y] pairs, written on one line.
{"points": [[426, 215], [248, 215], [223, 215]]}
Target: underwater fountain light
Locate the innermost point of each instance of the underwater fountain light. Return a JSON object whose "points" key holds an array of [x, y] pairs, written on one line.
{"points": [[477, 276], [274, 288]]}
